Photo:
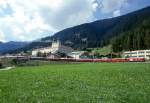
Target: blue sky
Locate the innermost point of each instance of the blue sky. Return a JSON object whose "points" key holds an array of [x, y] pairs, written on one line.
{"points": [[27, 20]]}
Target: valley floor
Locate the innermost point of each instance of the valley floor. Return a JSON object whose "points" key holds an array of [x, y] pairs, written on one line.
{"points": [[77, 83]]}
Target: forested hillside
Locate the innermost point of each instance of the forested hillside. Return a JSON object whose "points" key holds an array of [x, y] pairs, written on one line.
{"points": [[100, 33], [136, 39]]}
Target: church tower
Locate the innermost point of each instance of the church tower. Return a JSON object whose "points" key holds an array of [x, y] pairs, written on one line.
{"points": [[56, 44]]}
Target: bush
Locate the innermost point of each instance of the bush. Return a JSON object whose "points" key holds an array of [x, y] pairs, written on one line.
{"points": [[1, 65]]}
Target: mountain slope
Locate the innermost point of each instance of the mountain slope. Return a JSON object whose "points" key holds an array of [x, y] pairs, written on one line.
{"points": [[9, 46], [98, 33], [29, 46], [135, 39]]}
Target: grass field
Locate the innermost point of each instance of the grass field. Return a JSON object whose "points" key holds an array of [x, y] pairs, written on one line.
{"points": [[77, 83]]}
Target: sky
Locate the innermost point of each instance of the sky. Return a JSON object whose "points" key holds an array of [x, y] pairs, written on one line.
{"points": [[27, 20]]}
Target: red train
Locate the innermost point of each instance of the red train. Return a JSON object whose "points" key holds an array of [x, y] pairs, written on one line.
{"points": [[101, 60], [113, 60], [107, 60]]}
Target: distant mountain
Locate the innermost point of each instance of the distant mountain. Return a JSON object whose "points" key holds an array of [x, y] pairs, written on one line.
{"points": [[30, 46], [9, 46], [100, 32]]}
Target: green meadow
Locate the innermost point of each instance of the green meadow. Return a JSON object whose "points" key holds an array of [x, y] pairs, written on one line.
{"points": [[77, 83]]}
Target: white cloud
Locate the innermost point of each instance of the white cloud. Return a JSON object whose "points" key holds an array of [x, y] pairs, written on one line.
{"points": [[3, 3], [116, 13], [112, 5], [2, 36], [95, 6], [33, 17], [70, 13], [16, 31]]}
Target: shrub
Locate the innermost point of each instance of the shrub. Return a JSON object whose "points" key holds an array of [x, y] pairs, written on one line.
{"points": [[1, 65]]}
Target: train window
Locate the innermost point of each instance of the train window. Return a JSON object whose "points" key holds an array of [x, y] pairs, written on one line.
{"points": [[131, 53], [141, 52], [133, 56], [142, 56], [147, 51], [127, 53], [134, 53]]}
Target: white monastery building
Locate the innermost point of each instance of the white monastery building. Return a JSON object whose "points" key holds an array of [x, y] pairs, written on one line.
{"points": [[55, 48], [137, 54]]}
